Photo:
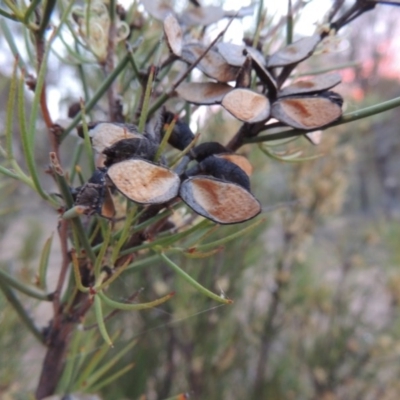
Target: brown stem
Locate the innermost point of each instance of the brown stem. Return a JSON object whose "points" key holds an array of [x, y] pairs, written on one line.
{"points": [[63, 234], [57, 346], [40, 49], [245, 131]]}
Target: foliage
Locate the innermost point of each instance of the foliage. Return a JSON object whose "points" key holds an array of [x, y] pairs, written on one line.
{"points": [[110, 244]]}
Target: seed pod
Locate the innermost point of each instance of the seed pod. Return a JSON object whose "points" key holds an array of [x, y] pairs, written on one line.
{"points": [[203, 92], [128, 148], [221, 169], [234, 54], [204, 150], [94, 196], [308, 112], [295, 52], [318, 83], [159, 9], [173, 33], [202, 15], [181, 135], [212, 64], [143, 181], [246, 105], [105, 134], [221, 201]]}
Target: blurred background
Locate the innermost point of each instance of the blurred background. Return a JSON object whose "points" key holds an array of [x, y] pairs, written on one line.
{"points": [[316, 286]]}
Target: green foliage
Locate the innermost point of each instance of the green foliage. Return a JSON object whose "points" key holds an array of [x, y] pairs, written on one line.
{"points": [[159, 274]]}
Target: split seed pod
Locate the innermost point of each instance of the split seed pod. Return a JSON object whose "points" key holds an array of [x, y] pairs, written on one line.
{"points": [[295, 52], [204, 150], [105, 134], [181, 135], [202, 15], [222, 194], [143, 181], [94, 197], [212, 64], [128, 148], [246, 105], [203, 93], [173, 33], [316, 84], [308, 112]]}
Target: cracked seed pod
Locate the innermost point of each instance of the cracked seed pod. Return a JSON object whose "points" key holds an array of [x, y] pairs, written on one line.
{"points": [[205, 150], [318, 83], [266, 78], [234, 54], [105, 134], [202, 15], [173, 33], [94, 197], [220, 201], [308, 112], [222, 194], [243, 79], [212, 64], [203, 93], [159, 9], [143, 181], [246, 105], [295, 52], [128, 148], [181, 135]]}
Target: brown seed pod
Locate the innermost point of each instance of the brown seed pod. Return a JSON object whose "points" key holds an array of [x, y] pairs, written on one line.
{"points": [[203, 92], [105, 134], [173, 33], [159, 9], [308, 112], [94, 196], [234, 54], [295, 52], [143, 181], [239, 160], [316, 84], [265, 77], [212, 64], [129, 148], [207, 149], [222, 202], [202, 15], [246, 105]]}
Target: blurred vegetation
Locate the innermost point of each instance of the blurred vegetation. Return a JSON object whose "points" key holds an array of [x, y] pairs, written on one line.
{"points": [[315, 285]]}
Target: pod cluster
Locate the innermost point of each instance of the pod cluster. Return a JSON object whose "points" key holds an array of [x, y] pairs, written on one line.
{"points": [[306, 104], [211, 180]]}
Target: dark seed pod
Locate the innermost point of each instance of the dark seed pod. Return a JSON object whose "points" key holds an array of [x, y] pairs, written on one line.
{"points": [[222, 202], [91, 195], [308, 112], [181, 135], [204, 150], [143, 181], [128, 148], [221, 169], [105, 134]]}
